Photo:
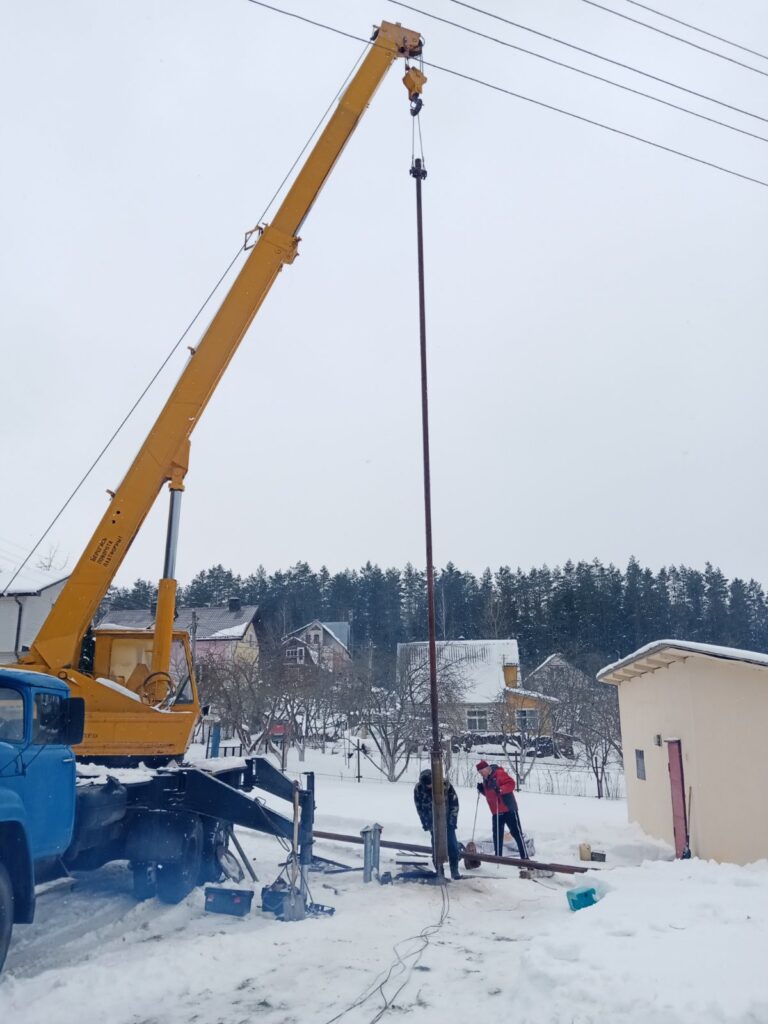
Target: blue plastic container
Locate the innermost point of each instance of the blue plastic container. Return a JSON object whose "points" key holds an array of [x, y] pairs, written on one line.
{"points": [[582, 896]]}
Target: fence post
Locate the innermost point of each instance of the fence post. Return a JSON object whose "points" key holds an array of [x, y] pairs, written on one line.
{"points": [[371, 850], [215, 739]]}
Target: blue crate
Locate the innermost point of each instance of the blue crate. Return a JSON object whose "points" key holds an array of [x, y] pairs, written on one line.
{"points": [[582, 896]]}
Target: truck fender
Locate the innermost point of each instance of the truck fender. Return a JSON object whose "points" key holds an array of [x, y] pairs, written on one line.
{"points": [[15, 856], [158, 836]]}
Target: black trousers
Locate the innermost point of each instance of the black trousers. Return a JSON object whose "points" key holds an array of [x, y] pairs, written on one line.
{"points": [[510, 819], [453, 846]]}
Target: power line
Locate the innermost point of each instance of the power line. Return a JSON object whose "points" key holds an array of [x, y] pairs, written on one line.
{"points": [[671, 35], [598, 124], [695, 28], [580, 71], [527, 99], [608, 60]]}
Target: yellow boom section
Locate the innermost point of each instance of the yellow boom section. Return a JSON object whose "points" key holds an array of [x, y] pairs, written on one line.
{"points": [[164, 455]]}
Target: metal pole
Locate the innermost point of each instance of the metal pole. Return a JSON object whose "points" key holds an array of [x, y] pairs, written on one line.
{"points": [[359, 776], [439, 827]]}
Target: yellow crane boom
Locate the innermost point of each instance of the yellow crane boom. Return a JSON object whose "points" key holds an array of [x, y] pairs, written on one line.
{"points": [[118, 725]]}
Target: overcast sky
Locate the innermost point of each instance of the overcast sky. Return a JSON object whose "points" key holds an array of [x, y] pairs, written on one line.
{"points": [[596, 308]]}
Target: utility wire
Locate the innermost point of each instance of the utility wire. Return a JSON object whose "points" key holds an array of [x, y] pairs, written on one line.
{"points": [[528, 99], [608, 60], [579, 71], [695, 28], [598, 124], [125, 419], [186, 331], [680, 39]]}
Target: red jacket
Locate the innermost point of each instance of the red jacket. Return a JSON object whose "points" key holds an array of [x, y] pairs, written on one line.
{"points": [[498, 785]]}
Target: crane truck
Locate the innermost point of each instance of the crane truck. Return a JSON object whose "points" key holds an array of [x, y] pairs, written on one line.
{"points": [[120, 698]]}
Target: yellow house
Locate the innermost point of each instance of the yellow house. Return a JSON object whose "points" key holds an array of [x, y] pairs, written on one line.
{"points": [[528, 711], [484, 673]]}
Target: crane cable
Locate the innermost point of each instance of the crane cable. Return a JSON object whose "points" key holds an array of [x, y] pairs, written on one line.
{"points": [[541, 103]]}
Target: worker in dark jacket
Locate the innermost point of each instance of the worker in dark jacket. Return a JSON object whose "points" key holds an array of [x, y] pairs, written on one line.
{"points": [[422, 797], [498, 788]]}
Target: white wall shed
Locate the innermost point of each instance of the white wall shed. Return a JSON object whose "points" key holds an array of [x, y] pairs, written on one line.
{"points": [[693, 724]]}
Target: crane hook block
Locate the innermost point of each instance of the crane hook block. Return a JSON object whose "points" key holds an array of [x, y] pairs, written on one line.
{"points": [[414, 80]]}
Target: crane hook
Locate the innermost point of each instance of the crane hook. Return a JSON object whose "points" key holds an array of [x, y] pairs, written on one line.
{"points": [[414, 80]]}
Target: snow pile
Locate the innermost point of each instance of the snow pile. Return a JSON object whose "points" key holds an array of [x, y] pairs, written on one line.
{"points": [[678, 942]]}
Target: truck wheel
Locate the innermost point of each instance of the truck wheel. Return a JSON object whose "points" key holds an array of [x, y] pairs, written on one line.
{"points": [[6, 913], [178, 878], [144, 880]]}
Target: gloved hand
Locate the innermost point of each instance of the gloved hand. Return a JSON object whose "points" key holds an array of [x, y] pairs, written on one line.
{"points": [[480, 787]]}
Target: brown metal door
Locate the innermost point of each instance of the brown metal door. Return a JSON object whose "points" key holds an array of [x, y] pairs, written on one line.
{"points": [[677, 785]]}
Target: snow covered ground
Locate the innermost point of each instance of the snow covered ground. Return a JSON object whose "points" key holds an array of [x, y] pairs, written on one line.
{"points": [[670, 941]]}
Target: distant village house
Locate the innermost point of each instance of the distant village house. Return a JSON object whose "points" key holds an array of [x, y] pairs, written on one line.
{"points": [[324, 644]]}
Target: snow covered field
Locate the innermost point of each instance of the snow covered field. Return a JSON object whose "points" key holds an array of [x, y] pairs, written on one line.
{"points": [[670, 942]]}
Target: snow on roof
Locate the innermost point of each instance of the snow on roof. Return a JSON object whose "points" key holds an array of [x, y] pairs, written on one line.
{"points": [[660, 653], [340, 631], [533, 693], [31, 580], [212, 623], [112, 685], [481, 661]]}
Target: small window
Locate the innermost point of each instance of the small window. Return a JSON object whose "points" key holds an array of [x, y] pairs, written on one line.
{"points": [[527, 720], [11, 716], [477, 721], [640, 763], [295, 654], [48, 725]]}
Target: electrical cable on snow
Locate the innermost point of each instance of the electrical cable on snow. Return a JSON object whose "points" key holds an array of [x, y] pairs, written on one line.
{"points": [[186, 330], [400, 962]]}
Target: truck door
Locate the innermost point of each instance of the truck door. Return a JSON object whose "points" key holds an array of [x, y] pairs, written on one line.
{"points": [[50, 778]]}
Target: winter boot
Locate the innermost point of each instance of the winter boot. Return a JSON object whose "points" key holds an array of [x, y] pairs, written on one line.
{"points": [[455, 873]]}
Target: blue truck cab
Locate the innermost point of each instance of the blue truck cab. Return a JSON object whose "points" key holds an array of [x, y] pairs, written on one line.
{"points": [[39, 723]]}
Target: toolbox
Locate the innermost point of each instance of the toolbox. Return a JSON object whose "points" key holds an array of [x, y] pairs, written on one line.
{"points": [[228, 901]]}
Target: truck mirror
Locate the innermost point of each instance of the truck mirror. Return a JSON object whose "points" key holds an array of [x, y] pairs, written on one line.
{"points": [[75, 721]]}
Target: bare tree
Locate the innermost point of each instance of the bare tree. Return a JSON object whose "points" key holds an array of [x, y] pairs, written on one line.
{"points": [[50, 561], [396, 709], [243, 699], [520, 737], [588, 711]]}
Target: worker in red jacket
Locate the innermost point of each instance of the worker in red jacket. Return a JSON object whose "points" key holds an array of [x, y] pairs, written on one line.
{"points": [[498, 788]]}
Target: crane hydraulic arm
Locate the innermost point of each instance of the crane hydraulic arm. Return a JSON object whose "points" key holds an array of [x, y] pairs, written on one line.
{"points": [[116, 723]]}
